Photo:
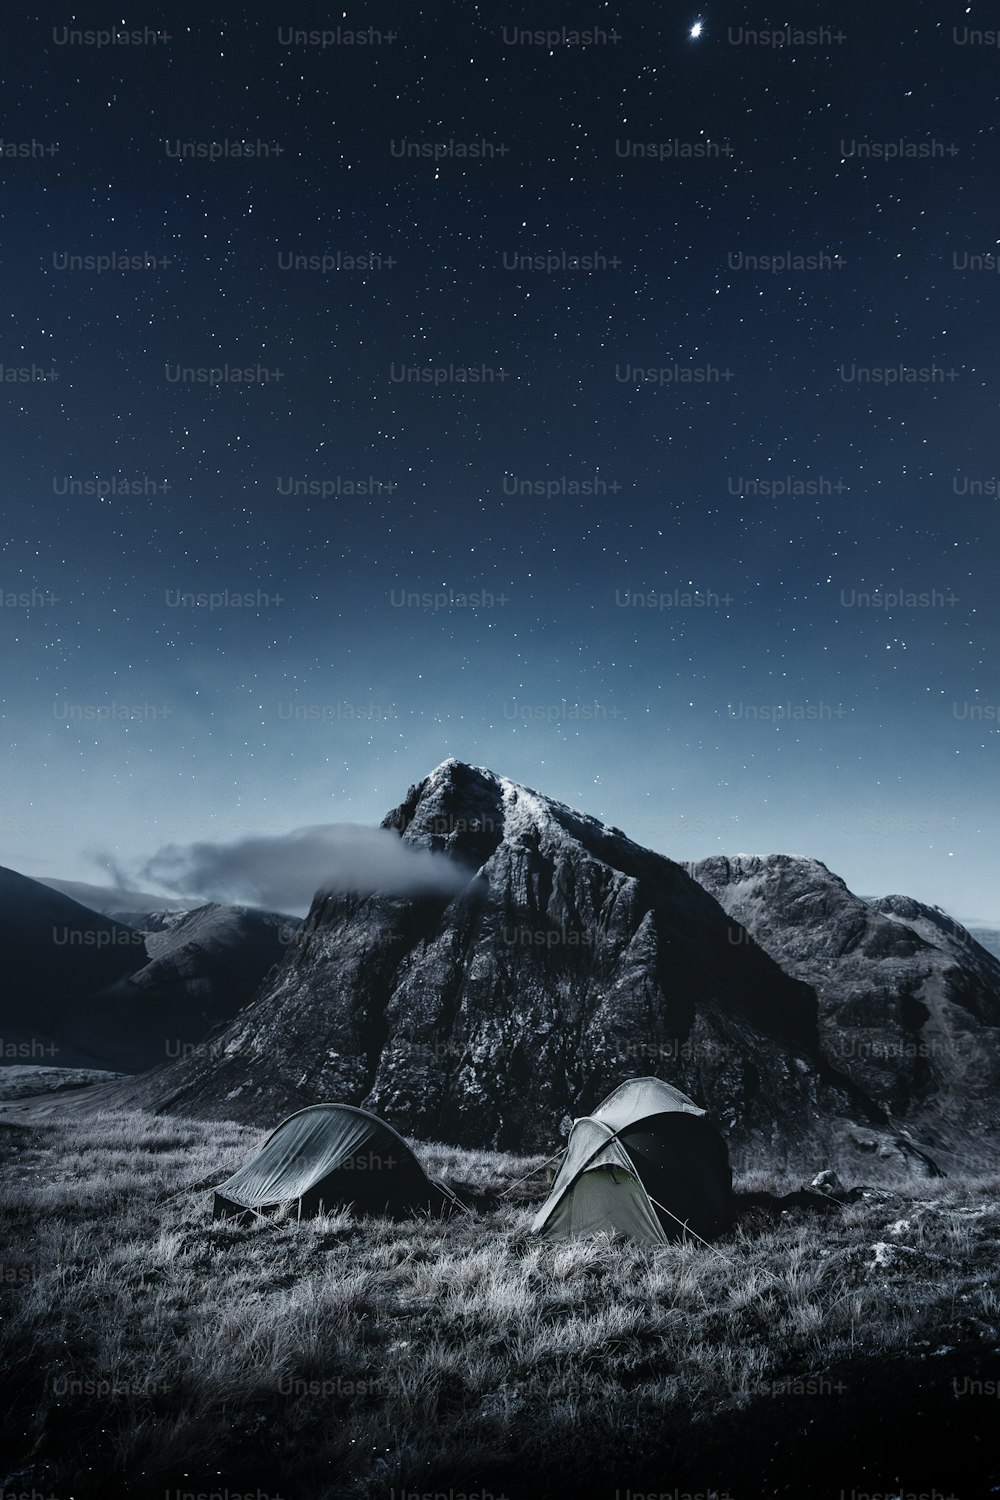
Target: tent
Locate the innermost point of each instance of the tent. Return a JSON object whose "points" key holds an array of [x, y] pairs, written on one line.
{"points": [[325, 1157], [647, 1163]]}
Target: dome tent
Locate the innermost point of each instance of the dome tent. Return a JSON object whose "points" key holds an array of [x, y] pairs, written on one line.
{"points": [[648, 1164], [326, 1157]]}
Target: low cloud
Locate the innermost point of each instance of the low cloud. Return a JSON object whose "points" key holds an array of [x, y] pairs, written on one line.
{"points": [[283, 872], [109, 898]]}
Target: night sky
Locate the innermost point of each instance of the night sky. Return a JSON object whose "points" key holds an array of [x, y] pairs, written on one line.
{"points": [[632, 565]]}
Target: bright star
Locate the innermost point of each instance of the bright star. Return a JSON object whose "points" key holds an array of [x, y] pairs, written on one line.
{"points": [[696, 30]]}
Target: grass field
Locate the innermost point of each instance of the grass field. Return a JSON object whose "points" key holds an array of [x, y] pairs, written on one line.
{"points": [[149, 1351]]}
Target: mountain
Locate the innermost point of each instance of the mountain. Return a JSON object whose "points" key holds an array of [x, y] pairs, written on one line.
{"points": [[87, 990], [58, 959], [152, 921], [572, 958], [908, 1001], [216, 953]]}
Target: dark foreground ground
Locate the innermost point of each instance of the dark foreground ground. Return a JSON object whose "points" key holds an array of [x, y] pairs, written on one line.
{"points": [[148, 1351]]}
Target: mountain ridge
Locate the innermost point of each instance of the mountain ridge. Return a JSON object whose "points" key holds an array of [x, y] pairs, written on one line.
{"points": [[571, 957], [84, 989], [814, 1025]]}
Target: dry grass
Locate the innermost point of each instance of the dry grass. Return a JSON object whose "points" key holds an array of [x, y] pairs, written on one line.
{"points": [[147, 1348]]}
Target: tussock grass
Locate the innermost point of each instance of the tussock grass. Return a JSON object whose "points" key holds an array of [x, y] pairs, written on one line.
{"points": [[148, 1348]]}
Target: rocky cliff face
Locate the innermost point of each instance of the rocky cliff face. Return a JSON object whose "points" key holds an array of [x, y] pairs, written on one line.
{"points": [[570, 959], [908, 1003]]}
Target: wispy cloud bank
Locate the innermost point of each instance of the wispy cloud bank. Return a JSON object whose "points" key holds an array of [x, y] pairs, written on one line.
{"points": [[283, 872]]}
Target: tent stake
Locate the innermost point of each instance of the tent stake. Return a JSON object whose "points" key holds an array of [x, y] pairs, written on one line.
{"points": [[687, 1229]]}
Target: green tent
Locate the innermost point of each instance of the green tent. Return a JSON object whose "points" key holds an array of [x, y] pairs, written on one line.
{"points": [[647, 1164], [328, 1156]]}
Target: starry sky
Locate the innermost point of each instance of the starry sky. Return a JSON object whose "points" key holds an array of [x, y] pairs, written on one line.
{"points": [[622, 416]]}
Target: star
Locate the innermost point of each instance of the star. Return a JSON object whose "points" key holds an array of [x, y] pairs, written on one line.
{"points": [[697, 29]]}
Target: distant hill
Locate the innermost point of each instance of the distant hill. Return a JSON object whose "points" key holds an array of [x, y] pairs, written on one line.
{"points": [[986, 937], [87, 990]]}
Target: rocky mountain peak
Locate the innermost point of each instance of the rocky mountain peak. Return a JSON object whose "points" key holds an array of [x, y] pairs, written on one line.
{"points": [[468, 811]]}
